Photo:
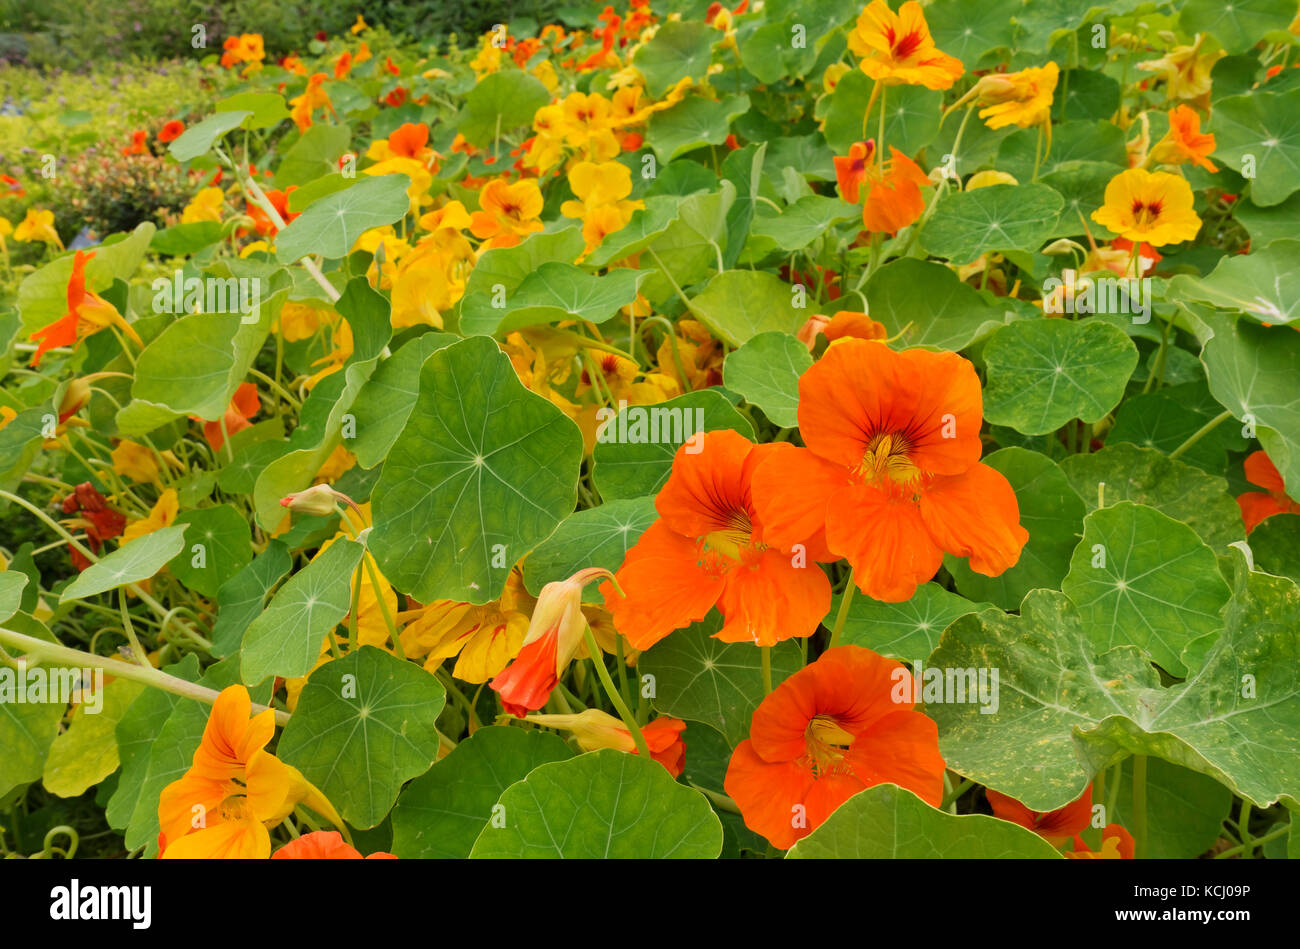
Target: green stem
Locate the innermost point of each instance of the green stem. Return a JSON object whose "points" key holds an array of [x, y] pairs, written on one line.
{"points": [[148, 675], [1200, 433], [597, 660], [1140, 806], [383, 606], [1255, 842], [843, 614], [951, 797], [766, 653]]}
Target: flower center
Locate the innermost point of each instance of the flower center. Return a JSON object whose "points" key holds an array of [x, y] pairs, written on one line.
{"points": [[234, 808], [904, 46], [827, 742], [888, 456], [1146, 213], [732, 539]]}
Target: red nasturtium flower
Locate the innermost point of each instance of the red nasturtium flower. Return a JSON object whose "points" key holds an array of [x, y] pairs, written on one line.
{"points": [[829, 731], [555, 634], [893, 198], [98, 520], [324, 845], [262, 222], [171, 131], [1116, 844], [1056, 827], [1257, 505], [87, 313], [891, 478], [241, 408], [708, 548]]}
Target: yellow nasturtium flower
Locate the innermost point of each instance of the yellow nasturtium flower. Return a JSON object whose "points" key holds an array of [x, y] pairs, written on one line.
{"points": [[1185, 69], [140, 463], [1151, 207], [205, 206], [38, 225], [163, 515]]}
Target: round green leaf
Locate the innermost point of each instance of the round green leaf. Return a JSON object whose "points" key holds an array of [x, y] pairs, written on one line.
{"points": [[364, 725], [1146, 476], [693, 123], [482, 473], [634, 450], [967, 224], [1043, 373], [1140, 577], [888, 822], [766, 371], [909, 630], [285, 640], [502, 101], [929, 305], [677, 50], [737, 305], [1258, 128], [331, 225], [606, 804], [702, 679], [596, 537], [226, 539], [1264, 285], [441, 813]]}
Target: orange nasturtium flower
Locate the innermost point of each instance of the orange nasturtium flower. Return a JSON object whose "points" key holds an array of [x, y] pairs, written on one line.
{"points": [[1257, 505], [832, 729], [1056, 827], [88, 313], [313, 97], [555, 634], [1185, 142], [849, 324], [325, 845], [139, 143], [710, 547], [595, 729], [171, 131], [893, 193], [242, 407], [1116, 844], [234, 790], [1154, 207], [897, 47], [509, 212], [891, 478]]}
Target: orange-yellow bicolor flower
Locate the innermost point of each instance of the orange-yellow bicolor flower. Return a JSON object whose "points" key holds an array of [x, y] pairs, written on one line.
{"points": [[893, 193], [1154, 207], [234, 790], [710, 547], [88, 313], [1185, 142], [555, 635], [595, 729], [832, 729], [509, 212], [897, 47], [891, 478]]}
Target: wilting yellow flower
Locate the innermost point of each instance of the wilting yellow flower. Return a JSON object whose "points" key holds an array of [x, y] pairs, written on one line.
{"points": [[205, 206], [38, 225], [1155, 207], [162, 515], [485, 637], [898, 47], [299, 321], [1023, 98], [140, 463], [1185, 69]]}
